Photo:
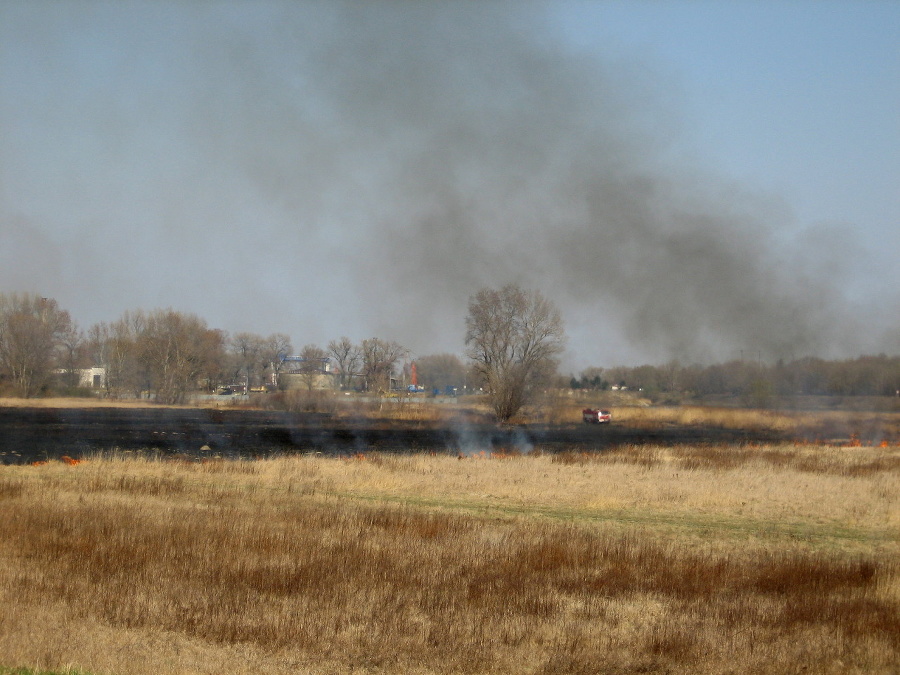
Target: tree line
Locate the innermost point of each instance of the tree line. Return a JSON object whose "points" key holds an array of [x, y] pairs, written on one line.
{"points": [[164, 353], [513, 339], [754, 381]]}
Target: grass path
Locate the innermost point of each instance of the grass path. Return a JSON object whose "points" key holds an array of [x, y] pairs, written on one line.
{"points": [[823, 536]]}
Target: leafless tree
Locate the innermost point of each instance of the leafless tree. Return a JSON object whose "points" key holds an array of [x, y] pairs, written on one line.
{"points": [[312, 366], [73, 356], [277, 346], [32, 331], [177, 351], [593, 378], [247, 357], [379, 357], [115, 347], [347, 357], [439, 371], [513, 337]]}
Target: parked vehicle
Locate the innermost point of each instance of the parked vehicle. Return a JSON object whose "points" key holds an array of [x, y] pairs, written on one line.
{"points": [[596, 416]]}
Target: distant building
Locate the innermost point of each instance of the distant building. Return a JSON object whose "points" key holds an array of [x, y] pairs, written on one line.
{"points": [[89, 378], [300, 373]]}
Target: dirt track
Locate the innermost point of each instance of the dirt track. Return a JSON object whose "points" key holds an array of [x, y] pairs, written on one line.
{"points": [[34, 433]]}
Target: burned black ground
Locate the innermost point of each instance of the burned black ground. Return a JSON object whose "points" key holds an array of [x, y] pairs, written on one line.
{"points": [[32, 434]]}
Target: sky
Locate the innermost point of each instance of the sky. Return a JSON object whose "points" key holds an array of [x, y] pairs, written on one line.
{"points": [[684, 180]]}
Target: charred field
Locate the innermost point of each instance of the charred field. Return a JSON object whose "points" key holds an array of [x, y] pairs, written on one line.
{"points": [[38, 433]]}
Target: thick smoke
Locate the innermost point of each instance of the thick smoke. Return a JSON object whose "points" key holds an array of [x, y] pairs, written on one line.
{"points": [[369, 166], [504, 159]]}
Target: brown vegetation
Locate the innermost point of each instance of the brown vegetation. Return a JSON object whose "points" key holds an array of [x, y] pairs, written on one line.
{"points": [[647, 559], [807, 425]]}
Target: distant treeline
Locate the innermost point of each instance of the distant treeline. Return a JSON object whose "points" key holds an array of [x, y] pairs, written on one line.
{"points": [[171, 354], [862, 376], [168, 355]]}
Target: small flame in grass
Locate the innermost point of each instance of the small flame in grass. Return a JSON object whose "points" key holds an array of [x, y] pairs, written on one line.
{"points": [[854, 442], [68, 460], [40, 462]]}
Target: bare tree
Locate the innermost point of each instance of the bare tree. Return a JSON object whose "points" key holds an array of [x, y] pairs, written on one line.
{"points": [[312, 366], [277, 346], [73, 356], [32, 331], [593, 378], [379, 357], [115, 347], [513, 337], [178, 350], [246, 351], [439, 371], [347, 357]]}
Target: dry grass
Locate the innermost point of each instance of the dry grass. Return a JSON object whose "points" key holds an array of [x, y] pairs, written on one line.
{"points": [[705, 416], [647, 559], [810, 425], [747, 419], [69, 402], [396, 409], [64, 402]]}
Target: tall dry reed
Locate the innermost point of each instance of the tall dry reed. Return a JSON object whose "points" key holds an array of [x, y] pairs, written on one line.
{"points": [[365, 565]]}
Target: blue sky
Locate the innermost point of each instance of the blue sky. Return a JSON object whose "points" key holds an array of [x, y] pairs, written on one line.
{"points": [[684, 179], [800, 99]]}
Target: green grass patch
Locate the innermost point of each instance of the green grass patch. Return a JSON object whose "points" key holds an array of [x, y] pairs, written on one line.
{"points": [[828, 536]]}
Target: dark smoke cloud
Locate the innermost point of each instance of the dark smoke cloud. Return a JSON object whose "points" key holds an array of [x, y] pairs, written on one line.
{"points": [[500, 158], [369, 166]]}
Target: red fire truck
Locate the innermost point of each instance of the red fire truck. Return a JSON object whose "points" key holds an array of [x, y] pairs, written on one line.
{"points": [[596, 416]]}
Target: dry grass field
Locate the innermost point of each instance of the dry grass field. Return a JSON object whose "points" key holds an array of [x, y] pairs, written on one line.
{"points": [[706, 559]]}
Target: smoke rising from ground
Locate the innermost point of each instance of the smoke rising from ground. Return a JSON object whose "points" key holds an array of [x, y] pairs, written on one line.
{"points": [[364, 168]]}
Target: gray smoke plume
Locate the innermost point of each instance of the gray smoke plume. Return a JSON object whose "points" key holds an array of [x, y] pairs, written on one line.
{"points": [[364, 168]]}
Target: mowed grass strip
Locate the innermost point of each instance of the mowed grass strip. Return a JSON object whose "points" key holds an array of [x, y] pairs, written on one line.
{"points": [[283, 566], [656, 522]]}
